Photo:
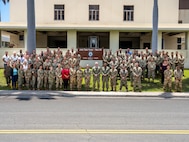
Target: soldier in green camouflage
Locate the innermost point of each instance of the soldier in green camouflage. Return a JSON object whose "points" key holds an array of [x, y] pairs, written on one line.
{"points": [[46, 75], [168, 79], [73, 75], [113, 77], [79, 78], [96, 70], [34, 76], [123, 78], [137, 73], [40, 76], [178, 79], [58, 74]]}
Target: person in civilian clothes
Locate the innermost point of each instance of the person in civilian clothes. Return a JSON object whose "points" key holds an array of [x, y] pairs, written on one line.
{"points": [[14, 76], [66, 76]]}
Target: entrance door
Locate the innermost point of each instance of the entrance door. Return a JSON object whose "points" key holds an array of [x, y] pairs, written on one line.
{"points": [[93, 42]]}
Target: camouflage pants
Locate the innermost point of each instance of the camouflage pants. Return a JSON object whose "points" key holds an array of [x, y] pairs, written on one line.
{"points": [[72, 82], [113, 83], [46, 82], [87, 82], [96, 80], [167, 84], [137, 83], [33, 82], [131, 78], [58, 82], [178, 85], [39, 83], [28, 82], [105, 82], [79, 83], [20, 82], [151, 73], [123, 82], [51, 83]]}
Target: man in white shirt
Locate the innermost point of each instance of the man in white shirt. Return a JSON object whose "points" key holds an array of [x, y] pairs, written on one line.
{"points": [[5, 59], [14, 57]]}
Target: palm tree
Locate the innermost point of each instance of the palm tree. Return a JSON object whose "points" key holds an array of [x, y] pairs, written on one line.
{"points": [[155, 27], [31, 32]]}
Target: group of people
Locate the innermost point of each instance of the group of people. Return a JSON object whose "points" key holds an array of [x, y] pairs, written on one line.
{"points": [[54, 70]]}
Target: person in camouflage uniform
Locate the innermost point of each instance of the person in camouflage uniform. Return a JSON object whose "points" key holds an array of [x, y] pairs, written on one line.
{"points": [[123, 78], [178, 79], [137, 72], [51, 78], [105, 76], [96, 70], [40, 76], [113, 77], [20, 77], [46, 75], [79, 78], [131, 66], [28, 76], [87, 74], [73, 75], [58, 74], [7, 73], [181, 62], [34, 76], [168, 79], [151, 69]]}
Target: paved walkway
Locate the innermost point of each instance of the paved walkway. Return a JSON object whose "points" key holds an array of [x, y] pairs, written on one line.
{"points": [[94, 94]]}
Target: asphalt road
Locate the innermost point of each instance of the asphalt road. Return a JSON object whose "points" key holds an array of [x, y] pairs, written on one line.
{"points": [[93, 119]]}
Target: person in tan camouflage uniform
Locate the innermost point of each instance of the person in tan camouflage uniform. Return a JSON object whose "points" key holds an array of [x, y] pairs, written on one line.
{"points": [[87, 75], [20, 77], [123, 78], [137, 72], [105, 76], [51, 78], [113, 77], [168, 79], [79, 78], [34, 76], [178, 79], [151, 69], [46, 75], [58, 74], [96, 70], [73, 75], [40, 76], [28, 76]]}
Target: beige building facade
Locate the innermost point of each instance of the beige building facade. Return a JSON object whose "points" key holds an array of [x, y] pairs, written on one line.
{"points": [[109, 24]]}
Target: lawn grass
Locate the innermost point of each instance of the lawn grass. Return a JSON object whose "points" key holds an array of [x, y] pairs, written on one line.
{"points": [[146, 86]]}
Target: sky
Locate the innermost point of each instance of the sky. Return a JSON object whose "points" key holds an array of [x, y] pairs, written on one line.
{"points": [[5, 12]]}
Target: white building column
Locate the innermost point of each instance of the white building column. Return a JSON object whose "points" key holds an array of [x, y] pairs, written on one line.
{"points": [[72, 39], [25, 40], [114, 41], [159, 41]]}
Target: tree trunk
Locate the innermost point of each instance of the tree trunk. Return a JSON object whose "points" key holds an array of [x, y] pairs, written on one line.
{"points": [[155, 27], [31, 33]]}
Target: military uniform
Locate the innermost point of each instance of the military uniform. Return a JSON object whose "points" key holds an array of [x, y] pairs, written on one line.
{"points": [[151, 70], [51, 79], [87, 74], [20, 78], [168, 79], [178, 79], [123, 79], [58, 74], [105, 77], [28, 76], [34, 78], [137, 72], [40, 76], [113, 78], [79, 78], [96, 77], [46, 74], [73, 75]]}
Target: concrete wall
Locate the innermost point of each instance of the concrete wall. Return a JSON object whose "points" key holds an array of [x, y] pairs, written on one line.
{"points": [[184, 15], [111, 11]]}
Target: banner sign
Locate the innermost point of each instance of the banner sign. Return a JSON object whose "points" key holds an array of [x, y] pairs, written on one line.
{"points": [[91, 53]]}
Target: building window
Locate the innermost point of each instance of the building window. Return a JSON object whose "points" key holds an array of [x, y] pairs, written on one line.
{"points": [[58, 12], [93, 12], [128, 13]]}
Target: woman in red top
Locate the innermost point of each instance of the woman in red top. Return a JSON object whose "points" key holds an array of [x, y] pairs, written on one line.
{"points": [[65, 77]]}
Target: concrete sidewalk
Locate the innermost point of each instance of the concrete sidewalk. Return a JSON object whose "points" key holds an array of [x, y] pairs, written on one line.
{"points": [[93, 93]]}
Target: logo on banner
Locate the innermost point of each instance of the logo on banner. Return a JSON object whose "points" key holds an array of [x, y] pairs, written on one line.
{"points": [[90, 54]]}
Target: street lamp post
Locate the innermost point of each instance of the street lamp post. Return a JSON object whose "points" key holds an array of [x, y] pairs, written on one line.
{"points": [[155, 27]]}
